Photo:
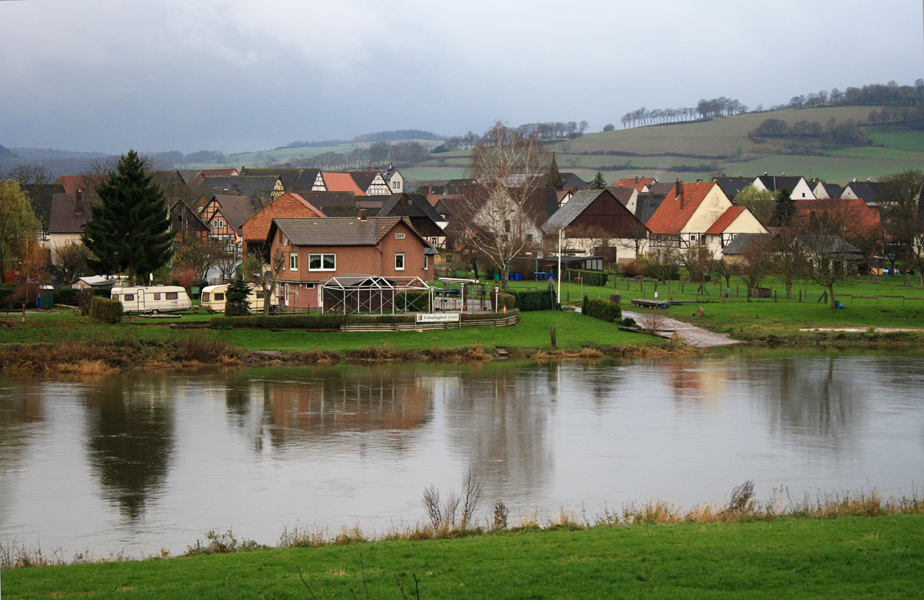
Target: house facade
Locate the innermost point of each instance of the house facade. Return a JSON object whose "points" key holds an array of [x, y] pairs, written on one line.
{"points": [[316, 250]]}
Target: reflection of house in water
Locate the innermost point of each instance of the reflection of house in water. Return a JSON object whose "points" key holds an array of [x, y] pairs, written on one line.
{"points": [[695, 381], [501, 422], [301, 408]]}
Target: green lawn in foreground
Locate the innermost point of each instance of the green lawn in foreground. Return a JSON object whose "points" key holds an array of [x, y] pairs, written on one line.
{"points": [[852, 557]]}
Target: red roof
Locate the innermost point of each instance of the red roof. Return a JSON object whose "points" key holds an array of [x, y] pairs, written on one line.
{"points": [[78, 183], [857, 212], [726, 220], [675, 211], [636, 182], [342, 182]]}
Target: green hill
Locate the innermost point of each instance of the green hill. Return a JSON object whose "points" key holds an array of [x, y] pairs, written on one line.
{"points": [[702, 149]]}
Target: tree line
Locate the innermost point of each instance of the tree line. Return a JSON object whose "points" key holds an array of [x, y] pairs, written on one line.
{"points": [[704, 109], [842, 132]]}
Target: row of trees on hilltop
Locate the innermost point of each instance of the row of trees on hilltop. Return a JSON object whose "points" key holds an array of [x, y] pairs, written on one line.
{"points": [[704, 109], [547, 131]]}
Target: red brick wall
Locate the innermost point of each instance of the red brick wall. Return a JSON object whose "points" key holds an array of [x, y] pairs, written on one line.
{"points": [[354, 260], [256, 228]]}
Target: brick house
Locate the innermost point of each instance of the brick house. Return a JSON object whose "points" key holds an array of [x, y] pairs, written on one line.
{"points": [[316, 250], [256, 228]]}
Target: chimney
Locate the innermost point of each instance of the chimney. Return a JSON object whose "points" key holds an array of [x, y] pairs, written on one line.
{"points": [[78, 203], [362, 214], [678, 191]]}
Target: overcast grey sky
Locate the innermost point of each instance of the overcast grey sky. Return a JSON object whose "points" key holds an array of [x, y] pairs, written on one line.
{"points": [[109, 75]]}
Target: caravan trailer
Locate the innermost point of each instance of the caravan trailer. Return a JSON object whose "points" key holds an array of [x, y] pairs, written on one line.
{"points": [[213, 298], [152, 299]]}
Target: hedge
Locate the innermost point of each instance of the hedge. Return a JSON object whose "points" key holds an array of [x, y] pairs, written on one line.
{"points": [[530, 300], [105, 310], [602, 309], [6, 291], [328, 322]]}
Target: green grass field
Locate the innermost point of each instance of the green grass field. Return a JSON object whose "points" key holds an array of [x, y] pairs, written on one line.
{"points": [[853, 557]]}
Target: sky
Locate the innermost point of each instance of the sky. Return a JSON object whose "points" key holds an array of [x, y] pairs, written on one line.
{"points": [[235, 76]]}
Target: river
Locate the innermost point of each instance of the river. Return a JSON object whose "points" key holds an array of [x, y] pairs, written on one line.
{"points": [[144, 461]]}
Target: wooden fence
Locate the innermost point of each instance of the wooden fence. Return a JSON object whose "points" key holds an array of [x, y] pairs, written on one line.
{"points": [[507, 321]]}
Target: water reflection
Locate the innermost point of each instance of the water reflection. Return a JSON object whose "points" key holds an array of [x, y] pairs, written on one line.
{"points": [[130, 438], [157, 459]]}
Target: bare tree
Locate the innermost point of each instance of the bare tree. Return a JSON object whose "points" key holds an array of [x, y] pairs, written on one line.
{"points": [[264, 275], [827, 255], [228, 259], [198, 254], [499, 211], [70, 261], [756, 263]]}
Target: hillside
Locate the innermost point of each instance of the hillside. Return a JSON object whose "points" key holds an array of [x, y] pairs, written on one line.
{"points": [[703, 148]]}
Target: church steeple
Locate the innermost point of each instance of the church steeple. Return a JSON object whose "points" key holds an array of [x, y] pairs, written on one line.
{"points": [[554, 178]]}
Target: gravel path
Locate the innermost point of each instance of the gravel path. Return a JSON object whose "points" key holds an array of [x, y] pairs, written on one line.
{"points": [[691, 334]]}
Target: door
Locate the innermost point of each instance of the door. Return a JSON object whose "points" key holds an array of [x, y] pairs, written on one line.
{"points": [[140, 300]]}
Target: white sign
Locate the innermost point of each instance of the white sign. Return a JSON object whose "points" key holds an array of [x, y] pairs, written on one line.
{"points": [[438, 318]]}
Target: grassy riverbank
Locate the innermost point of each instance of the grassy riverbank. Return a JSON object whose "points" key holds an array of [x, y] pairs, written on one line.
{"points": [[852, 557], [62, 342]]}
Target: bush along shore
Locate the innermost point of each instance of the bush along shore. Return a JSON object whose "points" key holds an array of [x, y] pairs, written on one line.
{"points": [[860, 545]]}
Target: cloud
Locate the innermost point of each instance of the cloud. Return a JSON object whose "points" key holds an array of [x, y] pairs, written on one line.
{"points": [[107, 75]]}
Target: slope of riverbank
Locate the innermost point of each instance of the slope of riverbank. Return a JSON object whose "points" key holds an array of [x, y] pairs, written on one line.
{"points": [[853, 557]]}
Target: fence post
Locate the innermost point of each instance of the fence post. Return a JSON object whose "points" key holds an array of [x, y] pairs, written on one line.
{"points": [[553, 338]]}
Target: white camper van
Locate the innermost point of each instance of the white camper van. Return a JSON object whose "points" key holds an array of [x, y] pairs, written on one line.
{"points": [[213, 298], [152, 299]]}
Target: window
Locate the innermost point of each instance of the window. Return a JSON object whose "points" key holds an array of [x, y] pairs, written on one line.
{"points": [[219, 297], [129, 297], [157, 295], [205, 296], [399, 236], [217, 224], [426, 262], [322, 262], [172, 295], [399, 261], [293, 261], [115, 296]]}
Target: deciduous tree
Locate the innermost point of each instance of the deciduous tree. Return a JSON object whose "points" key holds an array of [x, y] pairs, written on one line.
{"points": [[18, 225], [498, 212]]}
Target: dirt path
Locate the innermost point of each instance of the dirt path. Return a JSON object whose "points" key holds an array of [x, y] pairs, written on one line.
{"points": [[691, 334]]}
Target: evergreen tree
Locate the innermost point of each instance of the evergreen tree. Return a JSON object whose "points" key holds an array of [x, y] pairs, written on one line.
{"points": [[785, 210], [236, 303], [598, 182], [129, 231]]}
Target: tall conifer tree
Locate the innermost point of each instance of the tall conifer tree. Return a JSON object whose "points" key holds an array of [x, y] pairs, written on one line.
{"points": [[129, 231]]}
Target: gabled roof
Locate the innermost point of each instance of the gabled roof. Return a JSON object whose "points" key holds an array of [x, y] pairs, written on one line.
{"points": [[743, 240], [235, 209], [860, 214], [293, 180], [70, 212], [571, 210], [868, 191], [776, 183], [727, 218], [255, 187], [677, 209], [408, 205], [342, 182], [364, 179], [582, 200], [337, 231], [662, 189], [638, 183], [622, 193], [572, 181], [732, 186], [74, 183]]}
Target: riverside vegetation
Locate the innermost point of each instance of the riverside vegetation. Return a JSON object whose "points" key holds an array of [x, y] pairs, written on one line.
{"points": [[743, 549]]}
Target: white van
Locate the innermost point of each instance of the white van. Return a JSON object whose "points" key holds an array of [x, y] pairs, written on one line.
{"points": [[152, 299], [213, 298]]}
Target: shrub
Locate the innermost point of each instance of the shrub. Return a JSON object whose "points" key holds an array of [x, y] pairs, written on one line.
{"points": [[595, 278], [505, 300], [631, 269], [236, 303], [85, 300], [308, 321], [529, 300], [105, 310], [602, 309]]}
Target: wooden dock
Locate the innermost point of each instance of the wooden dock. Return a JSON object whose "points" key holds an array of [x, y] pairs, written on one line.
{"points": [[651, 303]]}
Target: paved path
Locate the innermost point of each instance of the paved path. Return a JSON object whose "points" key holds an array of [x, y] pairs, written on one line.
{"points": [[691, 334]]}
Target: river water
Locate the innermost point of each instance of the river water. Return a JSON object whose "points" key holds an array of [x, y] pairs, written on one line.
{"points": [[141, 462]]}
